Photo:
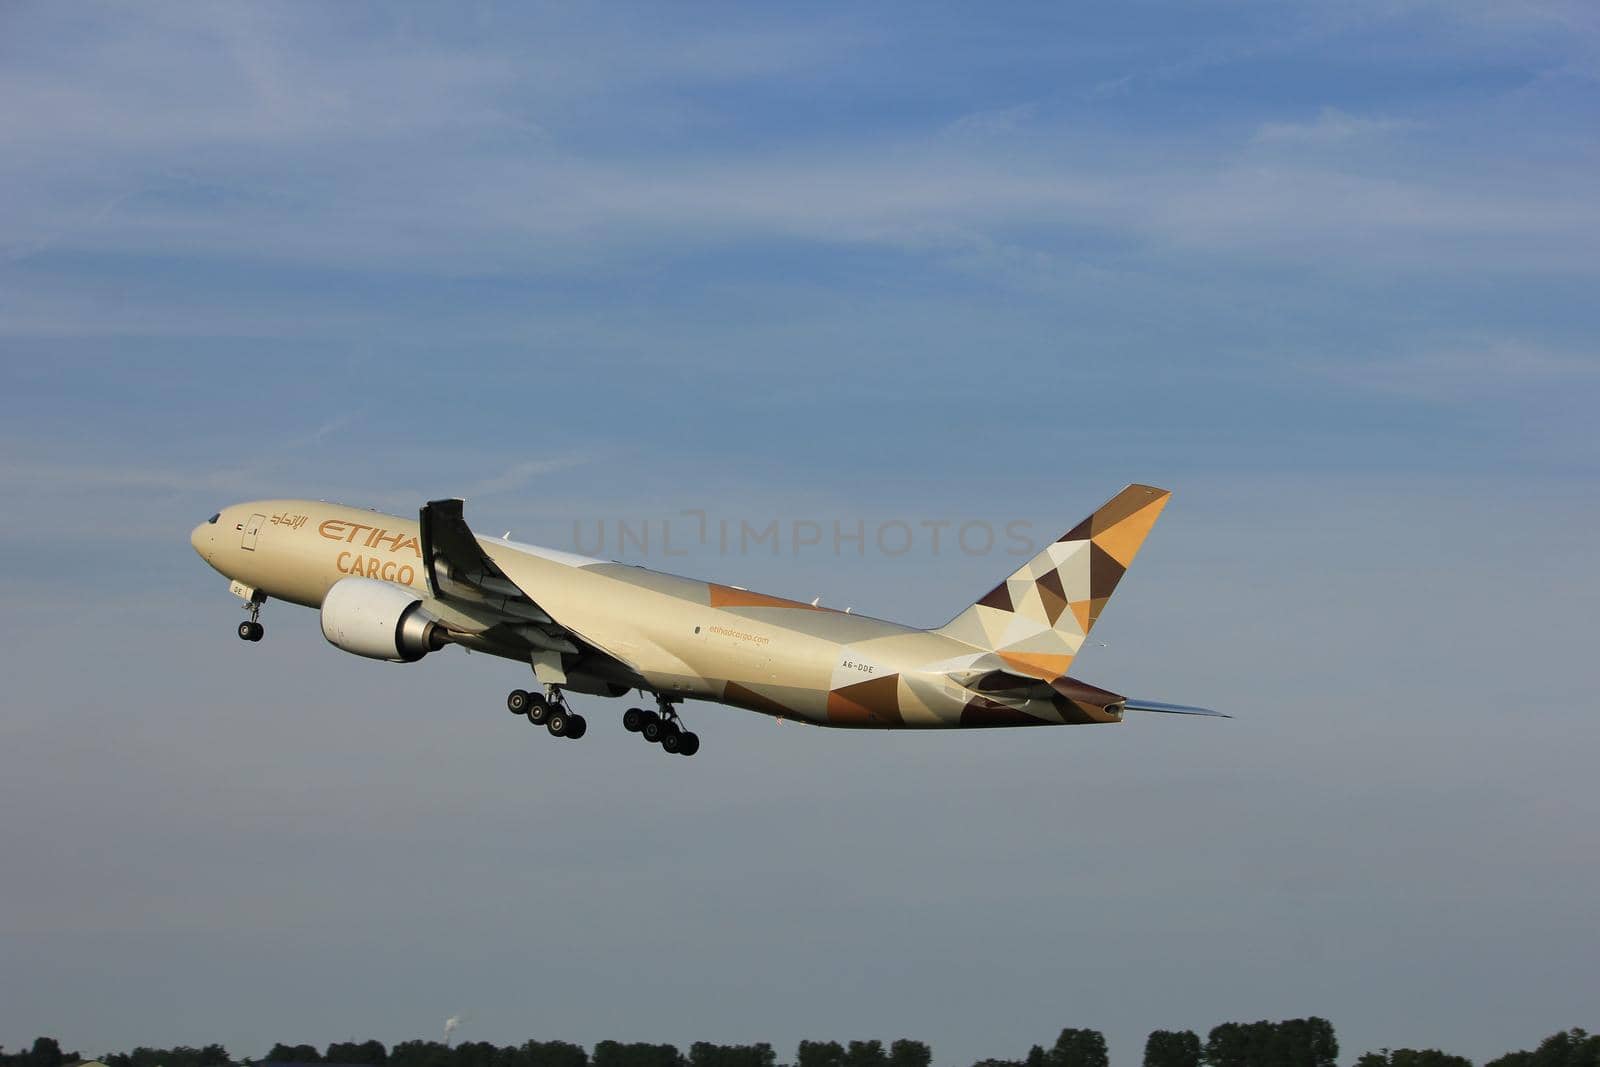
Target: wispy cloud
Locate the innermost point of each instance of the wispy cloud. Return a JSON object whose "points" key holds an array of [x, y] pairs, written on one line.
{"points": [[412, 155], [518, 475], [1003, 120], [571, 216], [1330, 125], [1472, 369]]}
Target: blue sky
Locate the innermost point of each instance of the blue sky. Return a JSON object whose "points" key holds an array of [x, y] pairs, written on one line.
{"points": [[1326, 271]]}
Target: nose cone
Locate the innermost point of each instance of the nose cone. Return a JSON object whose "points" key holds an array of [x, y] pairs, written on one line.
{"points": [[203, 538]]}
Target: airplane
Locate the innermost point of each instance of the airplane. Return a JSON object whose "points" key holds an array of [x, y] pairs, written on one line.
{"points": [[396, 589]]}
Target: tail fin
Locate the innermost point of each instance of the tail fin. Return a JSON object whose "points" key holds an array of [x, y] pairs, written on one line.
{"points": [[1036, 619]]}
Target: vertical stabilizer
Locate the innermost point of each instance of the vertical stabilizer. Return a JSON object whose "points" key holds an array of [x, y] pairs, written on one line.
{"points": [[1036, 619]]}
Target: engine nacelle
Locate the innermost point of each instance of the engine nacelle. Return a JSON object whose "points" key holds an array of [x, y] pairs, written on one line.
{"points": [[380, 621]]}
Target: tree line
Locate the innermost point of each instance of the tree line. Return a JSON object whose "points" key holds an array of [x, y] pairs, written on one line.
{"points": [[1287, 1043]]}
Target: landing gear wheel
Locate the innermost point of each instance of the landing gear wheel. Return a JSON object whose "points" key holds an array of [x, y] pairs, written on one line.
{"points": [[558, 722], [538, 709], [662, 727], [577, 726], [517, 701], [251, 631]]}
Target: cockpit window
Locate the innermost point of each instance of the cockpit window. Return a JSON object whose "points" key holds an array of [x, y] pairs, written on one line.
{"points": [[212, 521]]}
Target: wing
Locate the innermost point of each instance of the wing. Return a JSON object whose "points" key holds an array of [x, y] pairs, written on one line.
{"points": [[463, 576], [460, 573]]}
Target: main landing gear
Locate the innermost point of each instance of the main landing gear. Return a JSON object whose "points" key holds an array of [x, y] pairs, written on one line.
{"points": [[252, 630], [548, 709], [662, 728]]}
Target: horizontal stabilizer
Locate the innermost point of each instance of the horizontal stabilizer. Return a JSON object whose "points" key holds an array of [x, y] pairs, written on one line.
{"points": [[1172, 709]]}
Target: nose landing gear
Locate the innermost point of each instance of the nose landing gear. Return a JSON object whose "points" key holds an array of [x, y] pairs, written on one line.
{"points": [[662, 728], [252, 630], [548, 709]]}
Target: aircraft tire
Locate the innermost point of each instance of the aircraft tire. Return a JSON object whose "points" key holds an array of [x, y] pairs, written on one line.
{"points": [[671, 741], [577, 727], [653, 728], [245, 631], [689, 743], [633, 720], [538, 709], [517, 701], [558, 723]]}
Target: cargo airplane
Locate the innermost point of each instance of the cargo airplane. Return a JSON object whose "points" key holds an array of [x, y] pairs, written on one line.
{"points": [[396, 589]]}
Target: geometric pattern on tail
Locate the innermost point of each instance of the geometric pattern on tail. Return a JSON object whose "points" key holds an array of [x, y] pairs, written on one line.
{"points": [[1037, 619]]}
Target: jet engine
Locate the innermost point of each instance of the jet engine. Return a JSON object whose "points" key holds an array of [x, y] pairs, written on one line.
{"points": [[379, 620]]}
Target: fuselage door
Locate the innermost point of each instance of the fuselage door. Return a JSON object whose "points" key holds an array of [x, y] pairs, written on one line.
{"points": [[251, 528]]}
